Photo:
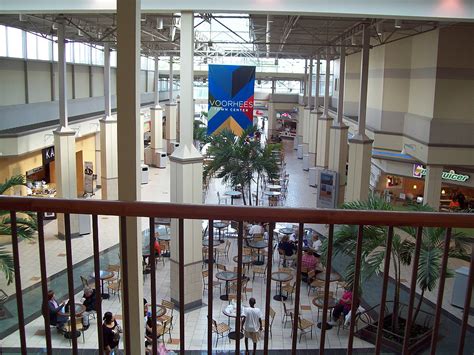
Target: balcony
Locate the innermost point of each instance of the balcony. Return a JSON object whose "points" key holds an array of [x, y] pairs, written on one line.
{"points": [[294, 337]]}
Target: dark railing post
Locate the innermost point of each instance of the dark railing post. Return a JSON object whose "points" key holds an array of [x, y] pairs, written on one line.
{"points": [[151, 261], [239, 286], [439, 301], [414, 273], [326, 288], [355, 288], [70, 281], [181, 285], [383, 297], [467, 305], [298, 288], [44, 282], [269, 286], [19, 294], [210, 286], [125, 276], [98, 296]]}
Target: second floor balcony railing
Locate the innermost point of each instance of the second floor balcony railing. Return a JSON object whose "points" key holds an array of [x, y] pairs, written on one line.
{"points": [[301, 217]]}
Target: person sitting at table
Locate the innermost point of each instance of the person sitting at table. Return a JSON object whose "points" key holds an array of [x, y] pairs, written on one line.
{"points": [[343, 306], [54, 307], [308, 263], [257, 229], [454, 204], [316, 242], [89, 299], [287, 249]]}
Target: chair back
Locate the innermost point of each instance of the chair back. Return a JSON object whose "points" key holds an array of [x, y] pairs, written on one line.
{"points": [[168, 304], [84, 281], [221, 267], [272, 315]]}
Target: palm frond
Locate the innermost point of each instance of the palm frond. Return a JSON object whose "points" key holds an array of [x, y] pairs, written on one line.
{"points": [[17, 180], [6, 265]]}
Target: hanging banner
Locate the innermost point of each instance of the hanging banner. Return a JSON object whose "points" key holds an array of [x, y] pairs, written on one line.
{"points": [[231, 98]]}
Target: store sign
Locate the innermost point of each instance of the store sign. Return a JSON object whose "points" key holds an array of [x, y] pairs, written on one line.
{"points": [[328, 183], [88, 177], [48, 155], [419, 171], [231, 98]]}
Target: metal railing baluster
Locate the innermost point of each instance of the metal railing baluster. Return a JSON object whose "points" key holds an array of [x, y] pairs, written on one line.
{"points": [[296, 314], [125, 290], [181, 285], [152, 261], [210, 286], [239, 286], [98, 296], [70, 281], [19, 294], [326, 288], [44, 282], [467, 305], [269, 287]]}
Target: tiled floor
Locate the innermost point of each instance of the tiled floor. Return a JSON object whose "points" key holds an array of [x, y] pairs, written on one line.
{"points": [[299, 195]]}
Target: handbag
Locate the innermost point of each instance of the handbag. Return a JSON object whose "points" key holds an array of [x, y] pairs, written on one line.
{"points": [[117, 330]]}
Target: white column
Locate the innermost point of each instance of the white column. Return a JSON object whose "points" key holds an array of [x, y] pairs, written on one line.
{"points": [[324, 122], [129, 184], [273, 86], [432, 191], [186, 178], [317, 83], [170, 81], [108, 139], [305, 82], [338, 148], [307, 110], [360, 146], [313, 119], [271, 118], [64, 143], [170, 112], [156, 116]]}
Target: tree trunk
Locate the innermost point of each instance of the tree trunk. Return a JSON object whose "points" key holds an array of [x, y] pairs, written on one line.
{"points": [[395, 296], [250, 193], [417, 310], [243, 196], [258, 182]]}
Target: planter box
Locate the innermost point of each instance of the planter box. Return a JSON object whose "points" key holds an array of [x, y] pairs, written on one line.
{"points": [[369, 334]]}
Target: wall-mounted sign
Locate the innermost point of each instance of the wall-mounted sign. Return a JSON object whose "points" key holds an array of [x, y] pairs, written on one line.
{"points": [[419, 171], [327, 189], [88, 177], [48, 155]]}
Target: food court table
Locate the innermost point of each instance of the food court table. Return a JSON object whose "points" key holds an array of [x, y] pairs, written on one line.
{"points": [[246, 261], [280, 277], [233, 194], [286, 231], [160, 311], [274, 187], [333, 276], [205, 243], [319, 302], [165, 238], [104, 276], [78, 307], [220, 226], [226, 276], [258, 245], [237, 333]]}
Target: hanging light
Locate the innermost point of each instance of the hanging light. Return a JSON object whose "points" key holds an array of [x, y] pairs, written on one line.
{"points": [[443, 192], [353, 40], [159, 23], [173, 33], [378, 28], [79, 33], [398, 24]]}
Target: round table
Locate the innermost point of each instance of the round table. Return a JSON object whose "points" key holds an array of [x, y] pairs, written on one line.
{"points": [[103, 276], [226, 276], [333, 276], [272, 193], [78, 307], [286, 231], [280, 277], [319, 302], [220, 226], [237, 333], [274, 187], [258, 245], [233, 194], [246, 260], [160, 311]]}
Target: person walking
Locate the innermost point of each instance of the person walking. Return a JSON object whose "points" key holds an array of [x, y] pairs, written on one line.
{"points": [[251, 325]]}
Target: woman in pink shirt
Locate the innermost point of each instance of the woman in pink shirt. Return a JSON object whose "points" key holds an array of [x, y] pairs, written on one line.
{"points": [[344, 305]]}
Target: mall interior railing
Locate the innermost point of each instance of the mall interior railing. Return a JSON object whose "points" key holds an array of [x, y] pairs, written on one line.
{"points": [[240, 214]]}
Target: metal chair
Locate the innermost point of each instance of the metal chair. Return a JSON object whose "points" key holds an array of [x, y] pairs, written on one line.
{"points": [[305, 326], [220, 329]]}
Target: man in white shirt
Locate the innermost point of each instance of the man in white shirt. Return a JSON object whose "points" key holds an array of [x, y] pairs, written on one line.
{"points": [[316, 243], [251, 325], [257, 229]]}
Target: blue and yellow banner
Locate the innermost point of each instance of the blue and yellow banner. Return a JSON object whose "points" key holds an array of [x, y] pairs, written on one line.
{"points": [[231, 98]]}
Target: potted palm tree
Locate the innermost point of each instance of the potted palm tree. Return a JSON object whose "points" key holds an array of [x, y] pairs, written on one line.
{"points": [[26, 228], [240, 160], [403, 247]]}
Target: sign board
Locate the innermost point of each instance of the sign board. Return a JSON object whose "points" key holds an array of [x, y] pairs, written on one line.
{"points": [[231, 98], [88, 177], [419, 171], [47, 155], [327, 189]]}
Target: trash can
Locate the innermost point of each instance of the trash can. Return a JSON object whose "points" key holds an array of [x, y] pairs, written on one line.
{"points": [[145, 173], [296, 142], [299, 153], [461, 280], [305, 162], [161, 159], [313, 177]]}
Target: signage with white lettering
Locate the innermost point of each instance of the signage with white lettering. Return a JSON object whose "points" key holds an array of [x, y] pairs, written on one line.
{"points": [[419, 171], [48, 155], [88, 177]]}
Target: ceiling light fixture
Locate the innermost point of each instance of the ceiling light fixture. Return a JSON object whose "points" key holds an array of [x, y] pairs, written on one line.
{"points": [[378, 28], [54, 26], [353, 40], [173, 33], [159, 23], [79, 33], [398, 24], [143, 19], [22, 18]]}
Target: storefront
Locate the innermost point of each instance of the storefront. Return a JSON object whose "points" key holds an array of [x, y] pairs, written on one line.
{"points": [[401, 182]]}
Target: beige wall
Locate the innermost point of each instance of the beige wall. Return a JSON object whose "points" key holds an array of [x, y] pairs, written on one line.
{"points": [[352, 85]]}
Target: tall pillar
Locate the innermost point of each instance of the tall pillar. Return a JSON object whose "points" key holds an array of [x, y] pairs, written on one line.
{"points": [[108, 139], [186, 179], [170, 112], [305, 82], [360, 146], [324, 122], [432, 191], [313, 118], [129, 184], [273, 86], [65, 142], [338, 148], [306, 119], [156, 116], [271, 118]]}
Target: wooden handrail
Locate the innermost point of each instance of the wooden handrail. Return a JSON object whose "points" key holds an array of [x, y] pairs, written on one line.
{"points": [[237, 213]]}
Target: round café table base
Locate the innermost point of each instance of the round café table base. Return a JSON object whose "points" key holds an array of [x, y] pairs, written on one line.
{"points": [[258, 262], [280, 298], [224, 297], [105, 296], [327, 327], [206, 261], [233, 335]]}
